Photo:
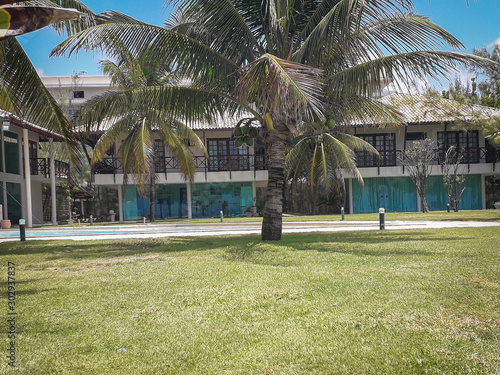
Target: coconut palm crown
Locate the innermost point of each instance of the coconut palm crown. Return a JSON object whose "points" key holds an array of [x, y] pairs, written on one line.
{"points": [[136, 130], [284, 62]]}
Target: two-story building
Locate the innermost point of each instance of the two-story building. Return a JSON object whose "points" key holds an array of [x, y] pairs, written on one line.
{"points": [[23, 171], [228, 179], [387, 183]]}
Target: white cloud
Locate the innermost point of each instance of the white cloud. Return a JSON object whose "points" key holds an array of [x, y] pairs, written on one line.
{"points": [[40, 72], [496, 42]]}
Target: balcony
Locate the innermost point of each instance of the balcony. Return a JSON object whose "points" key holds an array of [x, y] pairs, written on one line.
{"points": [[112, 165], [41, 167], [472, 155]]}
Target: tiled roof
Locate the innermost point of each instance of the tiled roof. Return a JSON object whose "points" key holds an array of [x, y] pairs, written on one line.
{"points": [[222, 123], [421, 109], [24, 124]]}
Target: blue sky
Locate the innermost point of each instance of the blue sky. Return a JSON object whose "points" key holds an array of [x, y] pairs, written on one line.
{"points": [[475, 25]]}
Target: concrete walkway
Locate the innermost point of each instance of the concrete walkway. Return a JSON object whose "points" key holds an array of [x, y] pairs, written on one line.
{"points": [[218, 229]]}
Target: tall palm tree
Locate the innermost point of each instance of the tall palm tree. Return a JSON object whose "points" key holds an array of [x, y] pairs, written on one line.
{"points": [[136, 129], [282, 61]]}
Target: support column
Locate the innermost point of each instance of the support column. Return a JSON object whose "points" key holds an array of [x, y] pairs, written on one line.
{"points": [[53, 196], [254, 197], [120, 203], [351, 200], [188, 193], [483, 191], [3, 153], [27, 178]]}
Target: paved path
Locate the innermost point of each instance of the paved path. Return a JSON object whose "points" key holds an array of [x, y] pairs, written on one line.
{"points": [[217, 229]]}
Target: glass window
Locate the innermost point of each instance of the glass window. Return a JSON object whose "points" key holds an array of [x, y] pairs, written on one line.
{"points": [[415, 136], [467, 144], [385, 145], [11, 152], [225, 156], [159, 152]]}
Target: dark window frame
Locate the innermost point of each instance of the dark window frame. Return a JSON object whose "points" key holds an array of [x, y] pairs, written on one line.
{"points": [[225, 156], [384, 143], [467, 143]]}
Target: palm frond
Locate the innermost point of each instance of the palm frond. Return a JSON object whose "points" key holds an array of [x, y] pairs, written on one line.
{"points": [[184, 104], [136, 152], [119, 130], [88, 19], [366, 79], [26, 93], [281, 87], [231, 36], [190, 57]]}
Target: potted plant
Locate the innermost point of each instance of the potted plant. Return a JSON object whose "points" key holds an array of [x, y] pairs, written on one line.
{"points": [[5, 224]]}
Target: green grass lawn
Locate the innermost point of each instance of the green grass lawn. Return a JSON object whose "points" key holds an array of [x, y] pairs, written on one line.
{"points": [[380, 302], [463, 215]]}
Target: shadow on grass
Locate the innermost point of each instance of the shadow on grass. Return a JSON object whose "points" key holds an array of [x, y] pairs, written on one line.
{"points": [[237, 248]]}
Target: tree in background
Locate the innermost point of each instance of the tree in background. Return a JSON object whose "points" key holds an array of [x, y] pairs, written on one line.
{"points": [[417, 161], [484, 87], [489, 88], [454, 176]]}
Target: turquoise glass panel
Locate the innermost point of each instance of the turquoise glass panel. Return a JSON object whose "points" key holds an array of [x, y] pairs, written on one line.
{"points": [[232, 198], [472, 198], [133, 204], [207, 201], [395, 194], [171, 201]]}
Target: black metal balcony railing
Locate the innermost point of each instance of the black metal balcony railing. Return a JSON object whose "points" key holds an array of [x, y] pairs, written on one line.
{"points": [[112, 165], [41, 167], [472, 155]]}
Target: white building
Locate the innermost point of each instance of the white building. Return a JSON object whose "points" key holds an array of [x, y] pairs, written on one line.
{"points": [[22, 170], [229, 178]]}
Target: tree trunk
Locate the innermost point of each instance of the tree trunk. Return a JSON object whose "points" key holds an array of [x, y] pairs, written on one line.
{"points": [[423, 198], [273, 210]]}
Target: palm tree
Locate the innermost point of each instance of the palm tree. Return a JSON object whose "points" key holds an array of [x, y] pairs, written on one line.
{"points": [[284, 62], [136, 129], [321, 153]]}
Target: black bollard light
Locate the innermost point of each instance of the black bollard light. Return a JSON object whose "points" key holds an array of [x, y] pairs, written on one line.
{"points": [[448, 207], [381, 212], [221, 216], [342, 213], [22, 229]]}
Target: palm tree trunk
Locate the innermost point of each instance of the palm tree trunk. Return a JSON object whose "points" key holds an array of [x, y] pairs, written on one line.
{"points": [[273, 210]]}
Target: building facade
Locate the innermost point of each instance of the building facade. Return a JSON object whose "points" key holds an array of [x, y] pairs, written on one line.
{"points": [[228, 179], [386, 180], [23, 171]]}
